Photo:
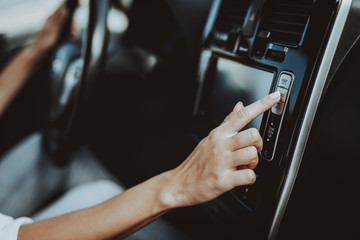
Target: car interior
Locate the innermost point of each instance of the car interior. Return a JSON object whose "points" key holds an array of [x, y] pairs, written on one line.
{"points": [[145, 81]]}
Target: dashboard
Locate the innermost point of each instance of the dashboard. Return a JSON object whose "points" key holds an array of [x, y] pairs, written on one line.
{"points": [[252, 48]]}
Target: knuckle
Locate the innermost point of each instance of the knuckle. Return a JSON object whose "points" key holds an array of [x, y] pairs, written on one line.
{"points": [[226, 156], [214, 134], [263, 102], [216, 177], [243, 113], [252, 152], [254, 135], [219, 181], [253, 164]]}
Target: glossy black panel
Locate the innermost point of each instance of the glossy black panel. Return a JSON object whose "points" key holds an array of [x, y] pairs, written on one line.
{"points": [[233, 82], [261, 51], [325, 200]]}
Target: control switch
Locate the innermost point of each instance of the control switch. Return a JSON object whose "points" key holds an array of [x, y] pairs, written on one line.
{"points": [[285, 80], [274, 55], [283, 93], [270, 136], [276, 115], [278, 108], [283, 86]]}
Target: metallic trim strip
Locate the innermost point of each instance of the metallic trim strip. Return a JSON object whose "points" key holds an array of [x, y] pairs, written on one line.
{"points": [[343, 11], [205, 56], [204, 63], [211, 18]]}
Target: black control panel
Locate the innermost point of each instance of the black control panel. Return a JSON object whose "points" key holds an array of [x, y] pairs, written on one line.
{"points": [[281, 52], [273, 124]]}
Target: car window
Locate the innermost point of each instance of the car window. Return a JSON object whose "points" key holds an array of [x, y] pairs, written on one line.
{"points": [[24, 15], [20, 20]]}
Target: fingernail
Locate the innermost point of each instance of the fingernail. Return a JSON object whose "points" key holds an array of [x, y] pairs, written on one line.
{"points": [[252, 177], [275, 95], [238, 106]]}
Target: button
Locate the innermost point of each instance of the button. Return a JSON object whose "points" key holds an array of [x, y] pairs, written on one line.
{"points": [[278, 108], [274, 55], [264, 34], [220, 38], [285, 80], [270, 132], [283, 93], [243, 47], [270, 136]]}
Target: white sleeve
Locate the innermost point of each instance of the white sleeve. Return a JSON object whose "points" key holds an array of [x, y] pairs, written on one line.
{"points": [[9, 228]]}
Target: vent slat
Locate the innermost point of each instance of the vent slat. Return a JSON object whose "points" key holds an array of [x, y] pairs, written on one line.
{"points": [[286, 20], [231, 15], [291, 14], [289, 23], [286, 26], [274, 30], [295, 5]]}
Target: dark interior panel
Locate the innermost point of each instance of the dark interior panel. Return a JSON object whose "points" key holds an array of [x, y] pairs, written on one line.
{"points": [[286, 40], [325, 200]]}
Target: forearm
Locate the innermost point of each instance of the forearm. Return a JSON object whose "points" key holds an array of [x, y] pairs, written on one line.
{"points": [[119, 216], [16, 73]]}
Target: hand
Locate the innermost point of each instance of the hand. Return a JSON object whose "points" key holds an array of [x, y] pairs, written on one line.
{"points": [[51, 31], [223, 160]]}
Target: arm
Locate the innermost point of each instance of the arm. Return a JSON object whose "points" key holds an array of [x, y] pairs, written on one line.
{"points": [[17, 72], [210, 170]]}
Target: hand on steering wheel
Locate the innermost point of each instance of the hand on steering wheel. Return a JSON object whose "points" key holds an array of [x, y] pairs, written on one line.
{"points": [[49, 35], [75, 68]]}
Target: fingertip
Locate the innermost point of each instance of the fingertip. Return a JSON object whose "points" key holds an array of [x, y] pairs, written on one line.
{"points": [[274, 95], [251, 176]]}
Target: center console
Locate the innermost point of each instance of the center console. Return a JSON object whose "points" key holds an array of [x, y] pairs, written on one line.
{"points": [[252, 48]]}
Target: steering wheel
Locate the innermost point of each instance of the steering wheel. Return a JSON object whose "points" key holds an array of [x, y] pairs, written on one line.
{"points": [[75, 67]]}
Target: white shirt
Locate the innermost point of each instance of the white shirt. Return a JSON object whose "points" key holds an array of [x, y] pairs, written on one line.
{"points": [[9, 227]]}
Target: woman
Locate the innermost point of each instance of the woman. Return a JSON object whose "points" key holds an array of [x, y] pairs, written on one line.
{"points": [[223, 160]]}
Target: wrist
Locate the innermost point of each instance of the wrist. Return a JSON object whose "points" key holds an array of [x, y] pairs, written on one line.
{"points": [[167, 191]]}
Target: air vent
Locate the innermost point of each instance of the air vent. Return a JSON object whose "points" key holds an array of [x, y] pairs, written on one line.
{"points": [[285, 21], [231, 15]]}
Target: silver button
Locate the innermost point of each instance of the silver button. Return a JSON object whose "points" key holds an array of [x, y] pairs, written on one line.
{"points": [[285, 80], [283, 93], [278, 108]]}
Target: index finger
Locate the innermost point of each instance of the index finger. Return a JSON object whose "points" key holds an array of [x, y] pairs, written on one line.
{"points": [[239, 120]]}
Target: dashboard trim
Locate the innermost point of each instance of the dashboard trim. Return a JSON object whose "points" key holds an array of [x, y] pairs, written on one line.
{"points": [[211, 18], [343, 11], [204, 63]]}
